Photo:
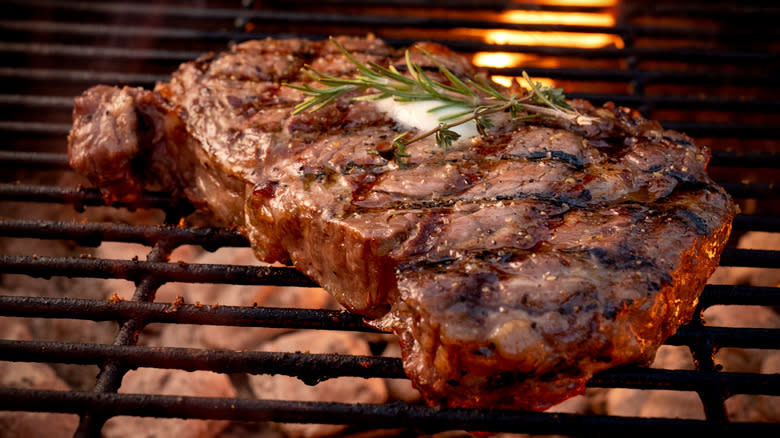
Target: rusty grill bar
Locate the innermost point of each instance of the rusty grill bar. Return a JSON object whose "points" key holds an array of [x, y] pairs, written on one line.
{"points": [[36, 119], [426, 419]]}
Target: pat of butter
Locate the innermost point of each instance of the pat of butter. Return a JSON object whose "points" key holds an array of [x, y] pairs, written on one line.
{"points": [[417, 115]]}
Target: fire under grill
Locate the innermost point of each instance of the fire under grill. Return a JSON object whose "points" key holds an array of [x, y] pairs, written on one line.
{"points": [[709, 70]]}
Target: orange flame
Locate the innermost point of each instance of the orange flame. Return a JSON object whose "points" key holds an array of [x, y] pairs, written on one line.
{"points": [[564, 39]]}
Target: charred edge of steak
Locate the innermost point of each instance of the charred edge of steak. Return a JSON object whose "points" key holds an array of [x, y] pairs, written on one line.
{"points": [[551, 352]]}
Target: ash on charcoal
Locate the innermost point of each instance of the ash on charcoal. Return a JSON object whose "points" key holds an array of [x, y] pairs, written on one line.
{"points": [[659, 403], [343, 389], [170, 382], [747, 276], [31, 376]]}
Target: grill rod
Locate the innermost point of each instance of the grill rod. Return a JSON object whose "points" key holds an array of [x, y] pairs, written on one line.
{"points": [[321, 319], [308, 367], [180, 313], [312, 368], [81, 197], [137, 270], [45, 267], [111, 371], [93, 234], [375, 416]]}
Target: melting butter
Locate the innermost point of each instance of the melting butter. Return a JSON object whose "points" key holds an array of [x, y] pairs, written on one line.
{"points": [[417, 115]]}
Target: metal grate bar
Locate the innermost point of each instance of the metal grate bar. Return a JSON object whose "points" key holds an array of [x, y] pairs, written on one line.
{"points": [[499, 5], [308, 367], [36, 128], [756, 223], [714, 294], [752, 189], [37, 160], [99, 310], [684, 103], [97, 51], [376, 416], [38, 101], [712, 396], [728, 130], [751, 79], [726, 337], [704, 9], [745, 159], [685, 380], [180, 313], [313, 368], [92, 234], [119, 8], [255, 275], [83, 197], [103, 310], [101, 30], [86, 76], [111, 372], [756, 258], [136, 270]]}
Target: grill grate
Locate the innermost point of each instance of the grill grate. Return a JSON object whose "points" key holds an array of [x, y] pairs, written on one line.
{"points": [[709, 80]]}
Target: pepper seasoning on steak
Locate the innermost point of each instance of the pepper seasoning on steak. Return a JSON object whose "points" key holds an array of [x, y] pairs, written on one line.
{"points": [[512, 266]]}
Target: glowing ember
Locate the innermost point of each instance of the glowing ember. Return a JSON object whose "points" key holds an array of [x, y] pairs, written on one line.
{"points": [[567, 39], [605, 18], [594, 3], [549, 17]]}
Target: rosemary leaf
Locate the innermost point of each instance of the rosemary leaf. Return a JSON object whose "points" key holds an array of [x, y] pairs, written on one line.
{"points": [[446, 106], [544, 94], [458, 85], [455, 116], [399, 149], [483, 124], [445, 136], [391, 73]]}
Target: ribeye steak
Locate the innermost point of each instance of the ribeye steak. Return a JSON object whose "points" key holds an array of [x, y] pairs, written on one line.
{"points": [[512, 266]]}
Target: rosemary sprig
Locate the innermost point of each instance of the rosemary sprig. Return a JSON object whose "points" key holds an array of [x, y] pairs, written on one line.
{"points": [[475, 99]]}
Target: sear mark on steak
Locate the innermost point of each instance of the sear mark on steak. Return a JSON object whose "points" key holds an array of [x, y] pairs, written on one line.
{"points": [[512, 266]]}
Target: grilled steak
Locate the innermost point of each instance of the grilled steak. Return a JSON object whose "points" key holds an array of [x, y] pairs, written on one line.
{"points": [[512, 266]]}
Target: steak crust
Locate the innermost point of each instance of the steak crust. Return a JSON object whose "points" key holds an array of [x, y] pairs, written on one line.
{"points": [[512, 266]]}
